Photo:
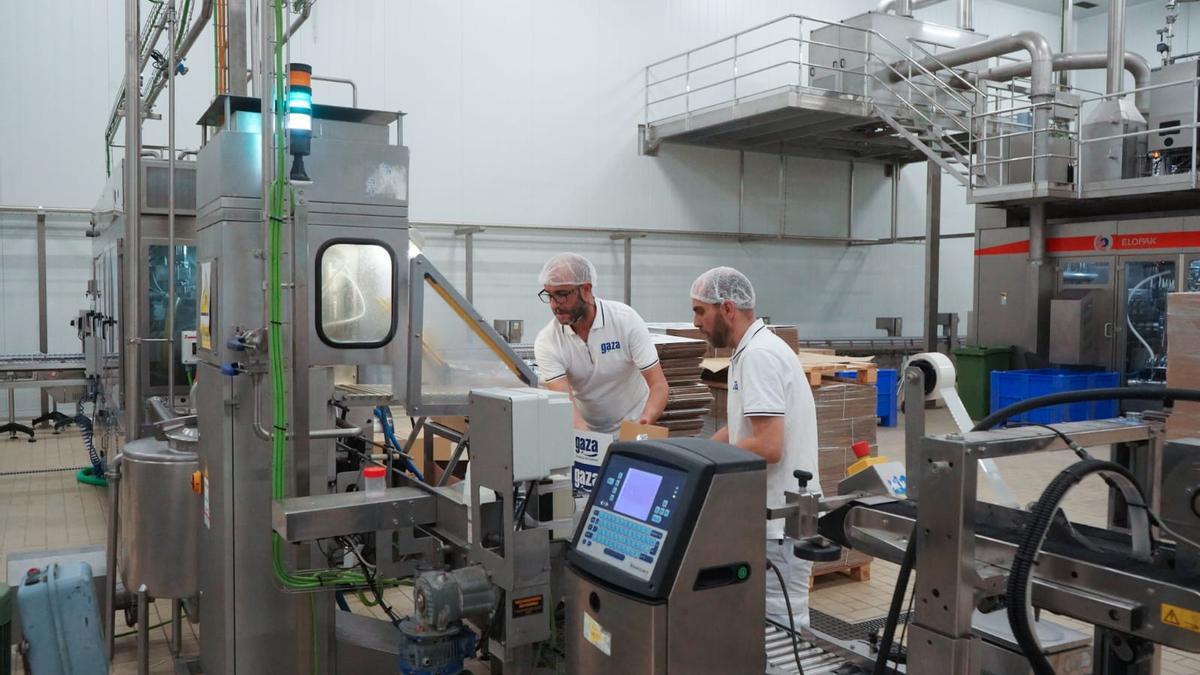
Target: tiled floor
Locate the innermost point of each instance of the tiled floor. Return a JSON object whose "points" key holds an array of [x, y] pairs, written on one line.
{"points": [[52, 510]]}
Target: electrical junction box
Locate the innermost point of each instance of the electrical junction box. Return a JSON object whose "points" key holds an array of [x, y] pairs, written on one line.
{"points": [[539, 429], [187, 352]]}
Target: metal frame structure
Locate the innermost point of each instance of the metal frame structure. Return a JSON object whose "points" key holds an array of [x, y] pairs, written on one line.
{"points": [[424, 277], [963, 559]]}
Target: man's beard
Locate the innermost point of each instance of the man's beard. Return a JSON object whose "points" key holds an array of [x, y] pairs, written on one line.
{"points": [[721, 335], [574, 315]]}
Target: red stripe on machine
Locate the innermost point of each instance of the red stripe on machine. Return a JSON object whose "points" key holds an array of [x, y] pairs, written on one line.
{"points": [[1005, 249], [1120, 242]]}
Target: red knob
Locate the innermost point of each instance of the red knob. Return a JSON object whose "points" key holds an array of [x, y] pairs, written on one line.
{"points": [[861, 449]]}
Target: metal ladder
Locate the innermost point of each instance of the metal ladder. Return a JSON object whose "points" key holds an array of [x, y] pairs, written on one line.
{"points": [[934, 117]]}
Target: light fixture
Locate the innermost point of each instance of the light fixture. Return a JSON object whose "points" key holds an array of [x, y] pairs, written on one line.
{"points": [[299, 117]]}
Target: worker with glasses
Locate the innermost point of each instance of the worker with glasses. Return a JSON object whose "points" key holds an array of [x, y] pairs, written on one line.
{"points": [[598, 351], [770, 412]]}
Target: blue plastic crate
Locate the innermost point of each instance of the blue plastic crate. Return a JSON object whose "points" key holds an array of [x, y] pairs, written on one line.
{"points": [[885, 406], [1013, 386]]}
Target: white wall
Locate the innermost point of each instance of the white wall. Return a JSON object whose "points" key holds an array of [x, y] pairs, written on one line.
{"points": [[525, 113], [1141, 22]]}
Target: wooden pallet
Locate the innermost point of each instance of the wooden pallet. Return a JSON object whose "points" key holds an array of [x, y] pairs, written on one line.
{"points": [[853, 564], [856, 573], [820, 367], [863, 374]]}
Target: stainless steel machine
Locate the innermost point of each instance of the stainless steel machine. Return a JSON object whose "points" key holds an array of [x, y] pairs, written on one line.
{"points": [[666, 572], [982, 568]]}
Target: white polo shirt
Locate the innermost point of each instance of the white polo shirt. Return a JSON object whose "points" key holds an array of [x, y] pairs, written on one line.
{"points": [[767, 380], [605, 372]]}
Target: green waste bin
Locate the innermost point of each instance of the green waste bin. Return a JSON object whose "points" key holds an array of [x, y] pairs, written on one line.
{"points": [[974, 366], [6, 616]]}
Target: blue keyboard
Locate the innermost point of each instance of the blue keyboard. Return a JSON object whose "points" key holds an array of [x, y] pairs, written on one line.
{"points": [[622, 542]]}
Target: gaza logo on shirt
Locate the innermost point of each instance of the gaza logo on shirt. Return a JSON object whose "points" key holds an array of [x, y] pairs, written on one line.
{"points": [[606, 347], [735, 385]]}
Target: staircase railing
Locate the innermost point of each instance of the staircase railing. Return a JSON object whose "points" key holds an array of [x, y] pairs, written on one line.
{"points": [[778, 54]]}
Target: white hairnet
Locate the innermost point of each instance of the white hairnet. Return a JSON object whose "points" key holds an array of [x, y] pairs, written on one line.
{"points": [[567, 269], [724, 283]]}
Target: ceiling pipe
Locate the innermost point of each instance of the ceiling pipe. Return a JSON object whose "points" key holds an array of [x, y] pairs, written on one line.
{"points": [[1135, 64], [966, 9], [1116, 45], [886, 6], [1041, 78], [198, 26]]}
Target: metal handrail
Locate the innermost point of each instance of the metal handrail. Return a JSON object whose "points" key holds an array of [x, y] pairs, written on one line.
{"points": [[925, 71], [1118, 94], [729, 37], [935, 104], [1041, 104], [726, 60], [869, 33], [914, 42], [918, 89], [1022, 158], [1143, 132], [728, 80]]}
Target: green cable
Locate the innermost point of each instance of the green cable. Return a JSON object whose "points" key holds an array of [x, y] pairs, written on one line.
{"points": [[309, 580]]}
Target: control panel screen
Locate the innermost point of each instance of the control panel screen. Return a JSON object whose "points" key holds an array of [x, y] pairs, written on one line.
{"points": [[631, 515], [637, 494]]}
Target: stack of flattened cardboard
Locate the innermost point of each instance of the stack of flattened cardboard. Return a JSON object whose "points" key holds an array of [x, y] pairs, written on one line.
{"points": [[688, 399], [1183, 361], [845, 415], [790, 335]]}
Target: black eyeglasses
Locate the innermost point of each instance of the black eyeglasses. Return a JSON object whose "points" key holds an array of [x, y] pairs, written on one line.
{"points": [[558, 296]]}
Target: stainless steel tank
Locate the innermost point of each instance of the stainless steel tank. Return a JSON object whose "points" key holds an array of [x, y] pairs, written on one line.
{"points": [[160, 516]]}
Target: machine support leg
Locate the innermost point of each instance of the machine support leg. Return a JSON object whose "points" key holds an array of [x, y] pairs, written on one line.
{"points": [[113, 476], [176, 627], [143, 634], [933, 253]]}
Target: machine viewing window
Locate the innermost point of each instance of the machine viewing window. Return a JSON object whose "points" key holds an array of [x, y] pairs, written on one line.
{"points": [[1193, 276], [1085, 273], [356, 282]]}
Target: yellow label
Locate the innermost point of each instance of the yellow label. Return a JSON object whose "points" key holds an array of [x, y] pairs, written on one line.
{"points": [[595, 634], [1180, 617]]}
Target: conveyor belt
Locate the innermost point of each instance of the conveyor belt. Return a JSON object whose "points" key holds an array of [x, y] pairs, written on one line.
{"points": [[1103, 547], [25, 362], [363, 394], [815, 660]]}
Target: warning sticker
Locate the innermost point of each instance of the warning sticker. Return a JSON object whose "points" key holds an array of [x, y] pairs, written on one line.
{"points": [[528, 606], [595, 634], [1180, 617]]}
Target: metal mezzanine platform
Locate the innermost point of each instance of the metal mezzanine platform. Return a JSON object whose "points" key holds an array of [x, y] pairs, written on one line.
{"points": [[807, 87], [791, 120]]}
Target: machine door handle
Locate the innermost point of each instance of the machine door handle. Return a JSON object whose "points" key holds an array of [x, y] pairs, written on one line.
{"points": [[1108, 329]]}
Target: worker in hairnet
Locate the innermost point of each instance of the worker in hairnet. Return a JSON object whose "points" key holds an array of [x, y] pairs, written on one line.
{"points": [[599, 351], [770, 412]]}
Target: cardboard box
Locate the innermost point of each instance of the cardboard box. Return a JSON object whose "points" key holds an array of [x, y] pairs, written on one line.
{"points": [[632, 431], [1183, 361]]}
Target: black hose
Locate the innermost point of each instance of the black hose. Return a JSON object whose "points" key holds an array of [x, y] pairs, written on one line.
{"points": [[1032, 537], [893, 617], [787, 601], [1121, 393]]}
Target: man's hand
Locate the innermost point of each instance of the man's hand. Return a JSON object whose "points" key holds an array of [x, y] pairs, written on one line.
{"points": [[562, 385], [722, 436], [656, 403]]}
